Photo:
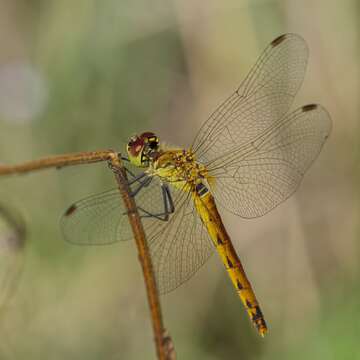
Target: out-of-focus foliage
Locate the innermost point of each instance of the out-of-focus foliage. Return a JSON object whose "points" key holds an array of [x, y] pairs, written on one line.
{"points": [[86, 75]]}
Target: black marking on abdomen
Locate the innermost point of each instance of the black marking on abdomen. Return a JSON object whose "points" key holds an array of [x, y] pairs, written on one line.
{"points": [[230, 264], [201, 189], [239, 286], [258, 314], [219, 240]]}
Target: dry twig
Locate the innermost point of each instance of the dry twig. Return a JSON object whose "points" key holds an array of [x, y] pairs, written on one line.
{"points": [[164, 345], [145, 259], [57, 162]]}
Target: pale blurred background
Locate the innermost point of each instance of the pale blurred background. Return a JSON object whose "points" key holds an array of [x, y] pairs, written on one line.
{"points": [[86, 75]]}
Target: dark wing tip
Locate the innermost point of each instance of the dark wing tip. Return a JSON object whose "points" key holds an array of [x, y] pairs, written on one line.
{"points": [[309, 107], [325, 117], [279, 40], [70, 210], [288, 36]]}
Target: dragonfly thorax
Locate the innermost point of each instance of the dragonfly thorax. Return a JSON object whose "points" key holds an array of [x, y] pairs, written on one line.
{"points": [[178, 167]]}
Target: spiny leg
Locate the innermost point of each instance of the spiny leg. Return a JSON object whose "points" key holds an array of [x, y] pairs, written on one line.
{"points": [[135, 178], [167, 194], [169, 207]]}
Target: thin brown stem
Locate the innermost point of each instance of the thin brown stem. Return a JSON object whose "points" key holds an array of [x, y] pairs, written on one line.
{"points": [[164, 346], [57, 162]]}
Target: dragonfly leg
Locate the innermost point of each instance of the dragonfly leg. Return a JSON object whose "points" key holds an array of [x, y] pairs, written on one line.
{"points": [[125, 159], [166, 189], [136, 178], [169, 207], [142, 184], [116, 170]]}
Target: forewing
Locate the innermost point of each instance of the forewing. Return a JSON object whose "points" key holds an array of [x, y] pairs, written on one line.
{"points": [[102, 218], [265, 95], [259, 175], [179, 248]]}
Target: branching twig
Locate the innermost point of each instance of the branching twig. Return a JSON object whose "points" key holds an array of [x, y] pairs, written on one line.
{"points": [[164, 346]]}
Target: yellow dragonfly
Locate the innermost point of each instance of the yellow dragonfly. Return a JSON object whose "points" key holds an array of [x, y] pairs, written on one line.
{"points": [[249, 156]]}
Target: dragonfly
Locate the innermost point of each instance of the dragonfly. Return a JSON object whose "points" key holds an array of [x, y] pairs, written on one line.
{"points": [[248, 157]]}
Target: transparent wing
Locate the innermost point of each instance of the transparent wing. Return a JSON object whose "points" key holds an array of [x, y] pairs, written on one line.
{"points": [[102, 218], [261, 174], [180, 247], [265, 95]]}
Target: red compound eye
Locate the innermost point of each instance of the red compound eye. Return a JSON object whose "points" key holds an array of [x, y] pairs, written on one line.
{"points": [[135, 145]]}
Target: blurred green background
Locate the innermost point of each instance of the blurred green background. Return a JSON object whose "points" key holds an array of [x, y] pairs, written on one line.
{"points": [[86, 75]]}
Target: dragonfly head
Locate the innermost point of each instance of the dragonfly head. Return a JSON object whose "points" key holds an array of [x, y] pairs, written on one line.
{"points": [[142, 148]]}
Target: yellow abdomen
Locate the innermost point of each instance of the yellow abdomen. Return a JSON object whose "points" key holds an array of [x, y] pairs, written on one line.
{"points": [[179, 169], [209, 215]]}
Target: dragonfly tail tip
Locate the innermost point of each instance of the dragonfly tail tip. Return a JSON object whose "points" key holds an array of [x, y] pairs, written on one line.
{"points": [[262, 332]]}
